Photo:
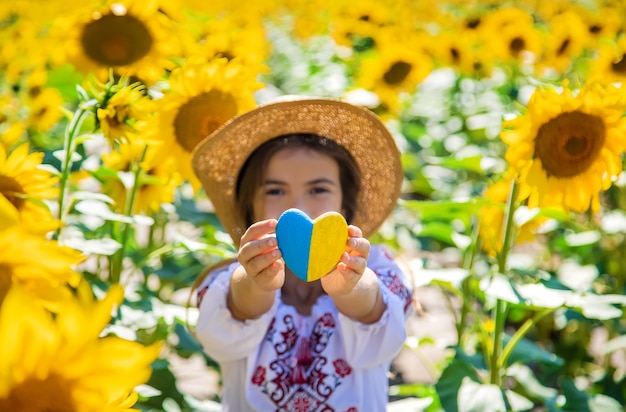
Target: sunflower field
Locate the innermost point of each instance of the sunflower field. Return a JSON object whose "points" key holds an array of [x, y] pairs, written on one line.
{"points": [[510, 116]]}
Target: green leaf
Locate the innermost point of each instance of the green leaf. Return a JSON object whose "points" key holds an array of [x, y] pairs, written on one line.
{"points": [[170, 405], [598, 306], [448, 277], [476, 397], [147, 391], [64, 79], [187, 344], [526, 351], [577, 277], [198, 405], [450, 382], [87, 195], [533, 294], [527, 380], [579, 401], [102, 247], [470, 163], [164, 380], [583, 239], [100, 209], [410, 404], [438, 230], [446, 211], [537, 295], [615, 344]]}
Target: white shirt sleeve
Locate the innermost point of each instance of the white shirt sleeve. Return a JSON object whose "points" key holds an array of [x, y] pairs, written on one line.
{"points": [[223, 337], [369, 345]]}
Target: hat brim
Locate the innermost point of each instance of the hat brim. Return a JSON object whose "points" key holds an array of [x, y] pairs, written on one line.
{"points": [[218, 159]]}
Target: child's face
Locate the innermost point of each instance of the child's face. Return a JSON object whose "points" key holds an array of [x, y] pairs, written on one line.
{"points": [[299, 178]]}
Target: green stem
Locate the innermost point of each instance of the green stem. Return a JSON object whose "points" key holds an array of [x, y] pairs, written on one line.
{"points": [[520, 333], [499, 320], [501, 309], [467, 296], [69, 147], [507, 236], [118, 257]]}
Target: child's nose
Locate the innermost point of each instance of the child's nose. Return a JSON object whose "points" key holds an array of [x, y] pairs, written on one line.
{"points": [[300, 203]]}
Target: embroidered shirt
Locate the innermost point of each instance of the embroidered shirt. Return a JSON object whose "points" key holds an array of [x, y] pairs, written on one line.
{"points": [[285, 361]]}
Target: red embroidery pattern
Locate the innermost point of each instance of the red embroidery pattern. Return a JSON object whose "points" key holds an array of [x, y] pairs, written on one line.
{"points": [[300, 377], [201, 293], [342, 368], [395, 285], [259, 376]]}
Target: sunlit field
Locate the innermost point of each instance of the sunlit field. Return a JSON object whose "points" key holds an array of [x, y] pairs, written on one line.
{"points": [[510, 116]]}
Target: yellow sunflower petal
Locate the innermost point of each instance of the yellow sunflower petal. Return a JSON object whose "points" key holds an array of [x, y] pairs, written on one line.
{"points": [[40, 369], [577, 142]]}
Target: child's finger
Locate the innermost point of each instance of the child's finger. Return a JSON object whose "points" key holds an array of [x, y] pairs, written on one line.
{"points": [[261, 263], [261, 247], [359, 246], [258, 230], [356, 264], [354, 231]]}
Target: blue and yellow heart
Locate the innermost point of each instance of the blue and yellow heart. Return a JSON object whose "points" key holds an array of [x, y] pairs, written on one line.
{"points": [[311, 248]]}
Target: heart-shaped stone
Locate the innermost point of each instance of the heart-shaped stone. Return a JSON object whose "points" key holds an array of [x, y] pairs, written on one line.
{"points": [[311, 248]]}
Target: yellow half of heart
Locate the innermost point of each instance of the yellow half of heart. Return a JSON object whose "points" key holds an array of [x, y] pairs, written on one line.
{"points": [[328, 242]]}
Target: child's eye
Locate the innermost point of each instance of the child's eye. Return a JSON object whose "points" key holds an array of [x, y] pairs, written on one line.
{"points": [[273, 191], [319, 190]]}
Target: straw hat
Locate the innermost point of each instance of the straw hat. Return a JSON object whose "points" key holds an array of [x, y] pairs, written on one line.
{"points": [[218, 159]]}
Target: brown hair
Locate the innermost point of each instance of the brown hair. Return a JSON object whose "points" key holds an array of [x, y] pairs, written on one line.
{"points": [[252, 176]]}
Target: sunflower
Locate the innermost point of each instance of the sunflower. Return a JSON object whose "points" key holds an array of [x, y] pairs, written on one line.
{"points": [[395, 67], [12, 128], [352, 22], [45, 106], [603, 22], [124, 112], [25, 185], [156, 179], [510, 33], [133, 37], [610, 65], [455, 49], [59, 363], [44, 277], [229, 38], [203, 96], [460, 44], [309, 19], [565, 39], [568, 148]]}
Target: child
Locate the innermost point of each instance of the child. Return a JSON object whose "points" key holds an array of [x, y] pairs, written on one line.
{"points": [[284, 344]]}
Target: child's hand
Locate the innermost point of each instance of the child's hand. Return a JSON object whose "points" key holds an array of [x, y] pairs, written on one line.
{"points": [[351, 267], [260, 256]]}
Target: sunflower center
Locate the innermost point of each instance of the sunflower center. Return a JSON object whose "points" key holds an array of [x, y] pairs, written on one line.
{"points": [[12, 190], [455, 54], [517, 45], [568, 144], [201, 116], [116, 40], [563, 47], [397, 73], [595, 29], [473, 23], [49, 395], [620, 66]]}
